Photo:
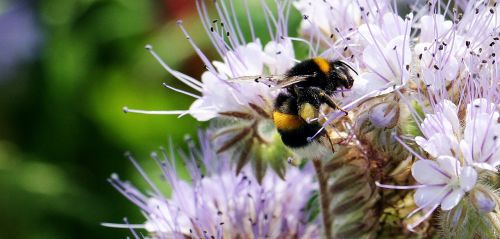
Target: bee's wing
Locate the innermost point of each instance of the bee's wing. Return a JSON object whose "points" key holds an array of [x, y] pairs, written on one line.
{"points": [[274, 81], [291, 80], [269, 80]]}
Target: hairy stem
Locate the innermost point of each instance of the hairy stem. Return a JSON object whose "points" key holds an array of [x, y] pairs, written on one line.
{"points": [[324, 199]]}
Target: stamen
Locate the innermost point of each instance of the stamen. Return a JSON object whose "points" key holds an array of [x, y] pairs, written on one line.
{"points": [[423, 218], [181, 91], [407, 147], [206, 22], [125, 226], [191, 82], [267, 18], [399, 187], [226, 19], [237, 24], [250, 21], [198, 51], [153, 112]]}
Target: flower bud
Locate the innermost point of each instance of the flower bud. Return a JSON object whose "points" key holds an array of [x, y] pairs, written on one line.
{"points": [[483, 201], [385, 114]]}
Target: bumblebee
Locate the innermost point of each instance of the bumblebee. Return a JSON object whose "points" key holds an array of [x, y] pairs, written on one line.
{"points": [[305, 88]]}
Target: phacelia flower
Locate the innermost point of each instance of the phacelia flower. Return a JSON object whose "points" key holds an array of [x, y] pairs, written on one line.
{"points": [[217, 203], [245, 103], [444, 182], [428, 79], [476, 143]]}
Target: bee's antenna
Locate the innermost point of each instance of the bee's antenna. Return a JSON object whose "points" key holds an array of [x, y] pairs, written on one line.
{"points": [[349, 66]]}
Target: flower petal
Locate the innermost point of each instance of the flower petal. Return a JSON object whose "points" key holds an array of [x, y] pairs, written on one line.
{"points": [[429, 172], [468, 178], [432, 24], [450, 112], [452, 199], [465, 148], [429, 196], [449, 165], [481, 133], [279, 56], [439, 144]]}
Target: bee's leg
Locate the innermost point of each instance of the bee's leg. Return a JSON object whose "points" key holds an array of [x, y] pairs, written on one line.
{"points": [[330, 102]]}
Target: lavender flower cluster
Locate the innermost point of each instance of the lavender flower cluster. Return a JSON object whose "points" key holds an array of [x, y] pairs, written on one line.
{"points": [[423, 114]]}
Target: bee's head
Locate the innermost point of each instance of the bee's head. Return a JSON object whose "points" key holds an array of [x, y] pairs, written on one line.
{"points": [[348, 82], [344, 72]]}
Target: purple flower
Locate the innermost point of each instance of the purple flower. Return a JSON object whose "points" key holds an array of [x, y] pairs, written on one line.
{"points": [[480, 145], [20, 36], [220, 204], [476, 144], [443, 182], [215, 94]]}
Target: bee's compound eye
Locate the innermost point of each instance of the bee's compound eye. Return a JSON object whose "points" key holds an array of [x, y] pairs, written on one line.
{"points": [[351, 82]]}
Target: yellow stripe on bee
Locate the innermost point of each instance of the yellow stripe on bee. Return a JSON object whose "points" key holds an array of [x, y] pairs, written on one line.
{"points": [[287, 121], [323, 64]]}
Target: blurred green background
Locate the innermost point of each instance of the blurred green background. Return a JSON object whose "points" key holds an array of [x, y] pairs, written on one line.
{"points": [[67, 67], [66, 70]]}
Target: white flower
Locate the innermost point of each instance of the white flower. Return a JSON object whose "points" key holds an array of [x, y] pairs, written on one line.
{"points": [[279, 56], [445, 180], [245, 60], [444, 183], [219, 95], [327, 15], [440, 131], [477, 142], [480, 145], [386, 55], [217, 203], [433, 27], [438, 50], [337, 17]]}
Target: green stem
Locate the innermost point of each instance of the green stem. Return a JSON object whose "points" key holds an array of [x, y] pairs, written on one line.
{"points": [[324, 199]]}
